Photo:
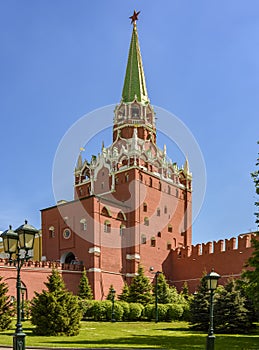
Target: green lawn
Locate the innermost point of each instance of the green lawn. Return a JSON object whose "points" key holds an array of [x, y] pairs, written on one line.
{"points": [[174, 335]]}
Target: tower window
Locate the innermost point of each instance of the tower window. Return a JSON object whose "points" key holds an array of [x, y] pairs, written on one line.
{"points": [[127, 177], [150, 182], [145, 207], [159, 234], [122, 228], [160, 186], [51, 232], [143, 239], [165, 209], [170, 228], [83, 225], [176, 192], [158, 212], [169, 245], [107, 226], [135, 112], [169, 190], [141, 177], [153, 242], [146, 221]]}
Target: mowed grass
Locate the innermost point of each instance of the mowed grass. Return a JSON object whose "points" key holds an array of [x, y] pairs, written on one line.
{"points": [[140, 335]]}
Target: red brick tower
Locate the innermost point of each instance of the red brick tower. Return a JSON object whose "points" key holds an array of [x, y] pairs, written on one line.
{"points": [[131, 204]]}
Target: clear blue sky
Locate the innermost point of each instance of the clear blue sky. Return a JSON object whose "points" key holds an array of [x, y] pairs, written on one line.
{"points": [[62, 59]]}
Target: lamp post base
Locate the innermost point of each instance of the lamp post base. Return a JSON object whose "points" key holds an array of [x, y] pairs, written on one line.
{"points": [[19, 341], [210, 342]]}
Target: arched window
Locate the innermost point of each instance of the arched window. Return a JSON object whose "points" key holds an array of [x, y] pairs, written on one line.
{"points": [[83, 225], [146, 221], [169, 190], [170, 228], [145, 207], [143, 239], [169, 245], [158, 212], [127, 177], [153, 242], [122, 229], [107, 226], [165, 209], [176, 192], [159, 234], [106, 211], [160, 186], [121, 216], [150, 182], [51, 232], [141, 177]]}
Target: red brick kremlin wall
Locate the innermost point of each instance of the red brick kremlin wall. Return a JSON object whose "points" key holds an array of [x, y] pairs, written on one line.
{"points": [[227, 257]]}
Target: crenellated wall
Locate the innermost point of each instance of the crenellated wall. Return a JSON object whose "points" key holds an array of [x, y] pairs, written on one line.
{"points": [[227, 257]]}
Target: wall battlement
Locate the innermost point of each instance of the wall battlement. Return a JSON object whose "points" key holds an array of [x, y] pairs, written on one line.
{"points": [[240, 243]]}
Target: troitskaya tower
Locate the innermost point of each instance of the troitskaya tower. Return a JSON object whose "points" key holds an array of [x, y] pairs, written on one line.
{"points": [[132, 204]]}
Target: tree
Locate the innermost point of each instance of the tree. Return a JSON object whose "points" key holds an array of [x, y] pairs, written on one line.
{"points": [[140, 288], [85, 290], [231, 315], [55, 311], [111, 293], [163, 290], [124, 296], [6, 309], [199, 307], [185, 291], [252, 273]]}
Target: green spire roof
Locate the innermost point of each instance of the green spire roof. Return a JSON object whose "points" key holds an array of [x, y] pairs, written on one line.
{"points": [[134, 83]]}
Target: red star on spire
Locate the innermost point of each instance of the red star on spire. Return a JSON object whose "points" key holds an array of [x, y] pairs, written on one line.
{"points": [[134, 17]]}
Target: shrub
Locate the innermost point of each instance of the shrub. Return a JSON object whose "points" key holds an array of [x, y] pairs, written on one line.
{"points": [[174, 312], [118, 312], [135, 311], [126, 310], [100, 310], [86, 307]]}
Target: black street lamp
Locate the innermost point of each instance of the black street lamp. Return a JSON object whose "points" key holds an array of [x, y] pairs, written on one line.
{"points": [[157, 273], [212, 282], [113, 291], [23, 289], [21, 239]]}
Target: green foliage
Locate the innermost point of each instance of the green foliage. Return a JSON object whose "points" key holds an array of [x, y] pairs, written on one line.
{"points": [[124, 296], [231, 316], [86, 307], [6, 308], [252, 273], [135, 311], [140, 288], [126, 310], [85, 290], [118, 312], [199, 307], [111, 293], [100, 310], [164, 295], [174, 312], [185, 291], [55, 311]]}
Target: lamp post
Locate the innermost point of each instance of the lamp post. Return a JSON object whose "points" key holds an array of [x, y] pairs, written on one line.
{"points": [[157, 273], [15, 241], [113, 291], [212, 282], [23, 313]]}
